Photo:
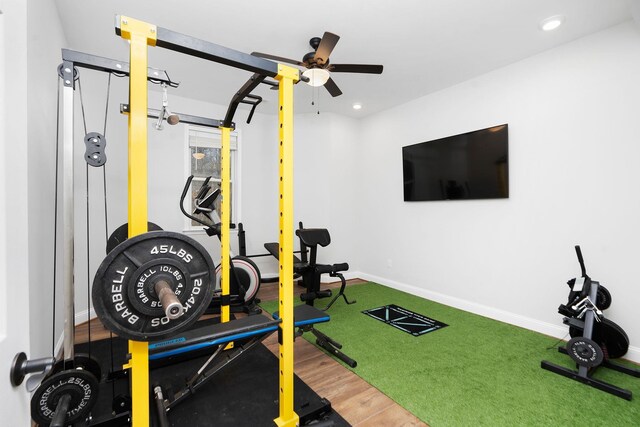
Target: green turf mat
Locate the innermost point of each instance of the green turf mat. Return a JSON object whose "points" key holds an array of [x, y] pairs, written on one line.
{"points": [[476, 371]]}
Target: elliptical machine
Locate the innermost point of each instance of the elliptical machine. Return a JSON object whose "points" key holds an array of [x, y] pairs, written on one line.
{"points": [[244, 275], [595, 340]]}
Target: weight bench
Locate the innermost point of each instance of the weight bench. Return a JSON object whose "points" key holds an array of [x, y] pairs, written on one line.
{"points": [[245, 333], [310, 271], [274, 249]]}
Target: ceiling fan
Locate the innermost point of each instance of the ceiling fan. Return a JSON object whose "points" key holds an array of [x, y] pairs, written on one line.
{"points": [[318, 68]]}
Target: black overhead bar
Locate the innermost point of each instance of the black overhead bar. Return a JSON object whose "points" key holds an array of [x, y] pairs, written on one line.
{"points": [[99, 63], [184, 118], [210, 51], [239, 98]]}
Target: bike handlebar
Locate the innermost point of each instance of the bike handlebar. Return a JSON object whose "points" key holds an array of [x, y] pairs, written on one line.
{"points": [[581, 261]]}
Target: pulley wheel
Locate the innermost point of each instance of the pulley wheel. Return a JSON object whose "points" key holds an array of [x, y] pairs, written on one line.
{"points": [[94, 154], [248, 276], [609, 336], [80, 385], [124, 288], [585, 352], [122, 233]]}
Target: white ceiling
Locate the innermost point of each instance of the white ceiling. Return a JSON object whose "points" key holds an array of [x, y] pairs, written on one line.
{"points": [[424, 45]]}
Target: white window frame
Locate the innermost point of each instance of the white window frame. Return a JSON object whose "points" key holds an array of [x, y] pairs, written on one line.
{"points": [[235, 172]]}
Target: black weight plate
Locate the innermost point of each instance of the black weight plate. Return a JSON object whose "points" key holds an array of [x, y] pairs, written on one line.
{"points": [[122, 233], [248, 275], [603, 298], [609, 336], [80, 361], [585, 352], [131, 264], [81, 385]]}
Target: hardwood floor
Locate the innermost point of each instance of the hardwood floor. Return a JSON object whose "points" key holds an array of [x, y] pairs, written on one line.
{"points": [[361, 404]]}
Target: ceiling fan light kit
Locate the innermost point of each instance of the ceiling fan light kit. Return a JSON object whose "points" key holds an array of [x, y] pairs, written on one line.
{"points": [[318, 68], [317, 76]]}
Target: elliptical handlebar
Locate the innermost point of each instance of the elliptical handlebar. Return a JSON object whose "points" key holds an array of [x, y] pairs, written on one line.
{"points": [[204, 205], [185, 190], [204, 189]]}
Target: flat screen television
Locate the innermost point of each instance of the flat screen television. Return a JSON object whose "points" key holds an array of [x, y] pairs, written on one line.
{"points": [[472, 165]]}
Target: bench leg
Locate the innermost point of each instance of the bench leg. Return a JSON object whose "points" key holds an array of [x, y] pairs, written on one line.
{"points": [[333, 347]]}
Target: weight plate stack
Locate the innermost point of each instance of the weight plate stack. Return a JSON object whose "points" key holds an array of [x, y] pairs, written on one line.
{"points": [[124, 294], [82, 388], [80, 361], [122, 233], [585, 352], [608, 335]]}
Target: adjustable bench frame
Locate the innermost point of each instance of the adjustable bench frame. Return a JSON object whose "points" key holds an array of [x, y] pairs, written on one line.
{"points": [[245, 333], [305, 317]]}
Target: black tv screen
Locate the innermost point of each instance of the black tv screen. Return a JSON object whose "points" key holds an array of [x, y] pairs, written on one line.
{"points": [[472, 165]]}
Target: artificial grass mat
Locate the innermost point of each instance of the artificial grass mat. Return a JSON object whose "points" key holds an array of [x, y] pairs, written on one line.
{"points": [[476, 371]]}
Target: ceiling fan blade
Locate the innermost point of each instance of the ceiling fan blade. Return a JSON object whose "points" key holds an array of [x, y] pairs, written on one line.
{"points": [[325, 47], [356, 68], [277, 58], [333, 88]]}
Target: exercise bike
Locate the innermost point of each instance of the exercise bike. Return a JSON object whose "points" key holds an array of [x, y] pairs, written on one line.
{"points": [[595, 340], [244, 275]]}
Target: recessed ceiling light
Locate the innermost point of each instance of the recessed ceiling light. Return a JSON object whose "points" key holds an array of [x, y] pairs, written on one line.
{"points": [[357, 106], [551, 23]]}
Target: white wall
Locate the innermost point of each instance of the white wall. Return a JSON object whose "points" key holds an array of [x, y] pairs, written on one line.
{"points": [[572, 114], [326, 181], [14, 269], [43, 56]]}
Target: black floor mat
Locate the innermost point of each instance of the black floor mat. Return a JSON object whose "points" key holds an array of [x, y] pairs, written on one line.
{"points": [[244, 393], [405, 320]]}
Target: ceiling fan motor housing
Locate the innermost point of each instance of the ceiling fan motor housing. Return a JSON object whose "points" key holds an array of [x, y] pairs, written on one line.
{"points": [[315, 42], [311, 62]]}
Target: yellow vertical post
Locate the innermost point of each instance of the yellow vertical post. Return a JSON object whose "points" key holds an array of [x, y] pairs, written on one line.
{"points": [[225, 219], [140, 35], [286, 76]]}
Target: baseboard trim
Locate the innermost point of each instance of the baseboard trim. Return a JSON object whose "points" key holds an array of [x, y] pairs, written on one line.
{"points": [[557, 331]]}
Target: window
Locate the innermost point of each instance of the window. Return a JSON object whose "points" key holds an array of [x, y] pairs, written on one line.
{"points": [[203, 160]]}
